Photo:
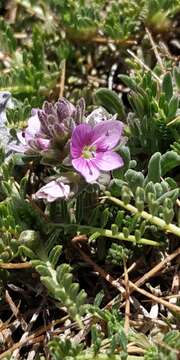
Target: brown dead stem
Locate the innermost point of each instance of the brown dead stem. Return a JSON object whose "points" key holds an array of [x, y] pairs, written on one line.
{"points": [[15, 310], [154, 47], [62, 78], [171, 307], [119, 287], [156, 269], [33, 338], [127, 306], [15, 266], [101, 271]]}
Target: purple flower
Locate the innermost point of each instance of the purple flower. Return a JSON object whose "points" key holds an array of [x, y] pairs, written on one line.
{"points": [[54, 190], [92, 148], [48, 128], [57, 120], [64, 109], [31, 138]]}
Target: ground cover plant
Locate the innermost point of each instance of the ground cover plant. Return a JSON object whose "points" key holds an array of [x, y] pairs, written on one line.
{"points": [[89, 191]]}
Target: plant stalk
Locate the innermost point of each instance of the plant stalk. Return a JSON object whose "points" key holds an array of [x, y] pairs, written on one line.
{"points": [[107, 233], [152, 219]]}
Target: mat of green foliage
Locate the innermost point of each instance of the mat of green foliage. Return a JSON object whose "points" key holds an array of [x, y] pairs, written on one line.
{"points": [[90, 272]]}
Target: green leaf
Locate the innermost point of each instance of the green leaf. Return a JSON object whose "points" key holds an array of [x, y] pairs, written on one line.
{"points": [[173, 107], [43, 270], [122, 339], [167, 85], [169, 161], [172, 194], [129, 82], [47, 281], [98, 298], [55, 254], [73, 290], [137, 103], [110, 101], [154, 169], [171, 182], [134, 179], [26, 251], [177, 76], [116, 186]]}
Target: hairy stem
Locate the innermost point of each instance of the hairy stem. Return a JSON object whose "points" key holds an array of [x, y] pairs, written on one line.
{"points": [[107, 233], [152, 219]]}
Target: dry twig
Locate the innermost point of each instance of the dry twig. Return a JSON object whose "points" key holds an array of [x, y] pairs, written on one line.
{"points": [[15, 310], [127, 306], [15, 266], [62, 78]]}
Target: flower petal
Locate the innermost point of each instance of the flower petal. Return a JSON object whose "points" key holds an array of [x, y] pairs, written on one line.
{"points": [[81, 136], [87, 168], [96, 116], [108, 160], [107, 134], [21, 137], [34, 125], [64, 108], [53, 191], [18, 148], [43, 144]]}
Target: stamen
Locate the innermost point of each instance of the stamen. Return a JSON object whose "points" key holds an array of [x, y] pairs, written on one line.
{"points": [[89, 152]]}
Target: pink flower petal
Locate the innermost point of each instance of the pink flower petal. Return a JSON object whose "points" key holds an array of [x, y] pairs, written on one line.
{"points": [[43, 144], [87, 168], [107, 134], [81, 136], [34, 125], [53, 191], [18, 148], [108, 160]]}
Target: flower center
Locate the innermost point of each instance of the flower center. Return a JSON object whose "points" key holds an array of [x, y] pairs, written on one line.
{"points": [[89, 152]]}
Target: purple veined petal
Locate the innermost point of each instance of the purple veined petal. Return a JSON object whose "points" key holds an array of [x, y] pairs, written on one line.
{"points": [[43, 121], [51, 131], [86, 168], [64, 108], [53, 191], [43, 144], [48, 108], [70, 124], [34, 125], [78, 114], [51, 119], [108, 160], [64, 186], [59, 129], [107, 134], [81, 136], [18, 148]]}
